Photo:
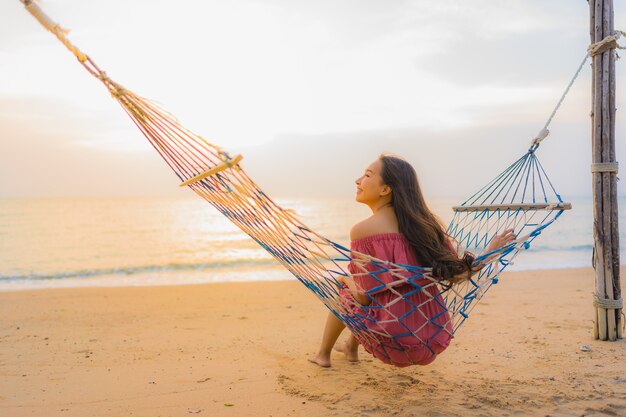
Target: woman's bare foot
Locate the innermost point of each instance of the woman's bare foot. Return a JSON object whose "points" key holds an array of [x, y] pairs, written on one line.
{"points": [[351, 350], [321, 360]]}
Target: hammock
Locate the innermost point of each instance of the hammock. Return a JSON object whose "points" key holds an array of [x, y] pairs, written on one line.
{"points": [[520, 198]]}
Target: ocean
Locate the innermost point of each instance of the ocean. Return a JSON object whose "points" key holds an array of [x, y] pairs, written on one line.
{"points": [[70, 242]]}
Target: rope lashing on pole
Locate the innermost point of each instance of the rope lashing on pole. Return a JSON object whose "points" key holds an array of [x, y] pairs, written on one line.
{"points": [[605, 167], [608, 303], [610, 42]]}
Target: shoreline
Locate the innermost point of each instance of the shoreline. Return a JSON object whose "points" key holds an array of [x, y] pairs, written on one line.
{"points": [[272, 274], [240, 349]]}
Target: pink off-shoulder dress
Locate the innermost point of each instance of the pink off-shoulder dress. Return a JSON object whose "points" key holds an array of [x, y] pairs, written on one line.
{"points": [[411, 329]]}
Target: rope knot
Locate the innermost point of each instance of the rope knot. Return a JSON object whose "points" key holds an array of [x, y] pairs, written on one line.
{"points": [[609, 42], [607, 303], [543, 133]]}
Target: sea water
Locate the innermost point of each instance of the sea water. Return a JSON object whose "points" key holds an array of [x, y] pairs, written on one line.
{"points": [[64, 242]]}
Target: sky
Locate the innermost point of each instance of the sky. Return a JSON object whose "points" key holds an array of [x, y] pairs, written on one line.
{"points": [[310, 92]]}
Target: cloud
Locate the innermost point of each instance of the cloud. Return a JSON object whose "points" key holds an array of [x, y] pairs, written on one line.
{"points": [[520, 59]]}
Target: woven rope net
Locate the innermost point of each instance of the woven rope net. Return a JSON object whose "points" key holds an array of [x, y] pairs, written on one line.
{"points": [[421, 311]]}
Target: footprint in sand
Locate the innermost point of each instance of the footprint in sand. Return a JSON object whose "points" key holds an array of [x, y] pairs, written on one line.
{"points": [[404, 380]]}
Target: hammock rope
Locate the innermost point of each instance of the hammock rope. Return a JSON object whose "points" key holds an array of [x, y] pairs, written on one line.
{"points": [[521, 198], [606, 44]]}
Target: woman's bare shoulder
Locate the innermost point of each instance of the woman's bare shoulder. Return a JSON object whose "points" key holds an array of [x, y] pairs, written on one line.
{"points": [[371, 226]]}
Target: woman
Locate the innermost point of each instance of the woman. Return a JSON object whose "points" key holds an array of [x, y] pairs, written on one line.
{"points": [[400, 230]]}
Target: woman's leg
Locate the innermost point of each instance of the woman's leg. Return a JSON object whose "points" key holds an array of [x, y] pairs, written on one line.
{"points": [[350, 348], [332, 330]]}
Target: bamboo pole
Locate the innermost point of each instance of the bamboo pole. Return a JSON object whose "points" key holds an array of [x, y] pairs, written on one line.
{"points": [[607, 321]]}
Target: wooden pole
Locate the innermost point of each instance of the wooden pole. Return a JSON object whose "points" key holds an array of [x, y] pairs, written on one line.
{"points": [[607, 318]]}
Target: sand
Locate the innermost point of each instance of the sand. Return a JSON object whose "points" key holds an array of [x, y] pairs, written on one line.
{"points": [[240, 349]]}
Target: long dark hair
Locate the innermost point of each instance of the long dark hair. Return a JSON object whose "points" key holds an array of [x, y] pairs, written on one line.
{"points": [[420, 226]]}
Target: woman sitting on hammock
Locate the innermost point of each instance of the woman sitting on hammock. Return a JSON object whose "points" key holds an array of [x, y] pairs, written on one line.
{"points": [[404, 323]]}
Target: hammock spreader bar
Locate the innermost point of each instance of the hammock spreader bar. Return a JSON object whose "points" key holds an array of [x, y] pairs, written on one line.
{"points": [[212, 171], [502, 207]]}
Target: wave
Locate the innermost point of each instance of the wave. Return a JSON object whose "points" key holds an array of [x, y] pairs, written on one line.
{"points": [[207, 266], [552, 248], [132, 270]]}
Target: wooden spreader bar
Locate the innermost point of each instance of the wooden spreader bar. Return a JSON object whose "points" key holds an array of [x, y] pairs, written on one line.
{"points": [[212, 171], [544, 206]]}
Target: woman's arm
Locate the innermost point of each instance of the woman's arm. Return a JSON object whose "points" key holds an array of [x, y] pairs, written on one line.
{"points": [[498, 241], [357, 293]]}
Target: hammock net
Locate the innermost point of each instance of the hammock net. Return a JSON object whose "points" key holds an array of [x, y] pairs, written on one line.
{"points": [[521, 198]]}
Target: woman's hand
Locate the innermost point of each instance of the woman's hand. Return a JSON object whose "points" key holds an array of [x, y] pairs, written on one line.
{"points": [[357, 293], [502, 239]]}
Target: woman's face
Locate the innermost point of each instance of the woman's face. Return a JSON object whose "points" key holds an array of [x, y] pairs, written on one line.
{"points": [[369, 186]]}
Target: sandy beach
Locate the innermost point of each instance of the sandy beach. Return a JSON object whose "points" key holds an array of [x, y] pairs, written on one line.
{"points": [[240, 349]]}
